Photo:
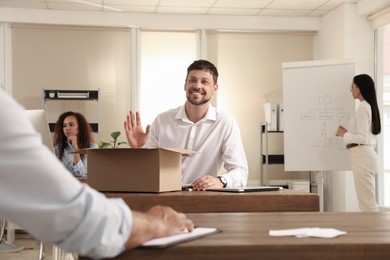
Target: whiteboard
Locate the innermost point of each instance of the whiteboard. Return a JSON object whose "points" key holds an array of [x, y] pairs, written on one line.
{"points": [[316, 99]]}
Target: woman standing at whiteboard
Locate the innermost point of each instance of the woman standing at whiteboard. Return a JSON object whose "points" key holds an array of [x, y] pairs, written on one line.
{"points": [[73, 132], [361, 139]]}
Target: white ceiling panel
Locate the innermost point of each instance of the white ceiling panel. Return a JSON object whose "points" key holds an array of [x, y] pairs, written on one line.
{"points": [[75, 6], [296, 4], [331, 4], [280, 12], [130, 2], [23, 4], [241, 4], [181, 10], [224, 7], [234, 11], [317, 13], [135, 8], [187, 3]]}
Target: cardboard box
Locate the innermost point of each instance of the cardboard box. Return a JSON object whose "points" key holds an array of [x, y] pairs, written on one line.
{"points": [[135, 169]]}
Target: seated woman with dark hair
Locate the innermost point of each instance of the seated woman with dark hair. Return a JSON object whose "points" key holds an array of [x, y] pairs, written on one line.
{"points": [[72, 132]]}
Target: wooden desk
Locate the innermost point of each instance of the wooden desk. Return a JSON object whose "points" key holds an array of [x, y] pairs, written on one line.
{"points": [[208, 201], [245, 236]]}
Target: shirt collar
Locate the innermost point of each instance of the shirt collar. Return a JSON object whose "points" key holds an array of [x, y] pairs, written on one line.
{"points": [[211, 114]]}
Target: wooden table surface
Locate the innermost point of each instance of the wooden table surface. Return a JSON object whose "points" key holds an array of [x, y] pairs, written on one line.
{"points": [[208, 201], [245, 236]]}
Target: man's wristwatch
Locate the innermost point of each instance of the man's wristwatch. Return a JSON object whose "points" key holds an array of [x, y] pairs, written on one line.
{"points": [[223, 180]]}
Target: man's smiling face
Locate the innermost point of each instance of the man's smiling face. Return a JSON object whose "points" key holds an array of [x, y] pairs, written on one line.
{"points": [[200, 87]]}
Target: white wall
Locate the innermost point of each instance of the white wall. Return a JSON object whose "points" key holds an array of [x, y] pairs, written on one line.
{"points": [[73, 58], [2, 54], [5, 58], [345, 34]]}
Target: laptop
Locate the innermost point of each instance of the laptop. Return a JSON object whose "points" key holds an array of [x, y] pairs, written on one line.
{"points": [[247, 189], [39, 121]]}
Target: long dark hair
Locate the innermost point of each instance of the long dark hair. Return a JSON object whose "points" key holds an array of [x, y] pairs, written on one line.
{"points": [[84, 138], [367, 88]]}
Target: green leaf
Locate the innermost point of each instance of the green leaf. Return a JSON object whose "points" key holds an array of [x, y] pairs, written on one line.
{"points": [[115, 135], [103, 144], [121, 143]]}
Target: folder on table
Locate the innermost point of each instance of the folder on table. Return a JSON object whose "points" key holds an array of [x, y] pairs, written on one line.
{"points": [[246, 189], [181, 237]]}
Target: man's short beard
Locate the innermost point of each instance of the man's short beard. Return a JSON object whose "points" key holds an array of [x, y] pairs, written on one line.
{"points": [[202, 102]]}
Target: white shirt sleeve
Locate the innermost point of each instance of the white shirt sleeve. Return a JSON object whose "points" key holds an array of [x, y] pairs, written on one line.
{"points": [[359, 131], [234, 158], [79, 169], [38, 194]]}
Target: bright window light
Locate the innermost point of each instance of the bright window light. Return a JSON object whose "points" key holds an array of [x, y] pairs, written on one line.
{"points": [[165, 57]]}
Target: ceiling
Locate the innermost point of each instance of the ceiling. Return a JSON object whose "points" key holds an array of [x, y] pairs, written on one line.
{"points": [[308, 8]]}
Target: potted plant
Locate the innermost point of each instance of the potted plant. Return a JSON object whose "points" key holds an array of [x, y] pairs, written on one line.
{"points": [[112, 144]]}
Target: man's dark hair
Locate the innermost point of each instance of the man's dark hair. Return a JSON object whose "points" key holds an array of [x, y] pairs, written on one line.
{"points": [[204, 65]]}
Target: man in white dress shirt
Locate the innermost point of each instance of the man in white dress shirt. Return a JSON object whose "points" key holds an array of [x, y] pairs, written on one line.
{"points": [[38, 194], [200, 127]]}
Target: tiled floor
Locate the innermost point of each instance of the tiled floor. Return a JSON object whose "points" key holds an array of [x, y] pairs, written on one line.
{"points": [[31, 250]]}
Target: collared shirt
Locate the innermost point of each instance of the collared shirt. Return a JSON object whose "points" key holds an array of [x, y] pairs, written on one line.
{"points": [[359, 131], [216, 139], [38, 194], [79, 169]]}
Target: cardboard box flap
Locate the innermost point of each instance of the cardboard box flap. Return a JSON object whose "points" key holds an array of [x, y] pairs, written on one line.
{"points": [[83, 151], [183, 151]]}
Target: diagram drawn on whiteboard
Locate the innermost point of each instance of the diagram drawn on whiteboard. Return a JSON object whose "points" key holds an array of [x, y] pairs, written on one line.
{"points": [[326, 116]]}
